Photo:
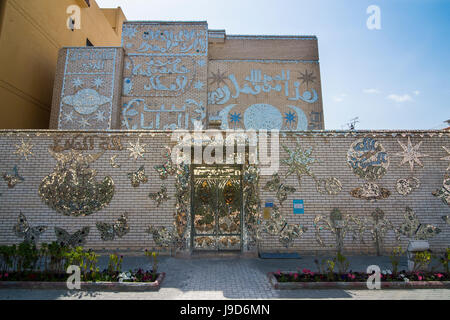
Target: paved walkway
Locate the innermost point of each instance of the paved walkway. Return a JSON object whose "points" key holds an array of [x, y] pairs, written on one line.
{"points": [[232, 278]]}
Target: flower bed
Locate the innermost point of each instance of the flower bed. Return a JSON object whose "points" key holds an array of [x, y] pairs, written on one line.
{"points": [[128, 281], [27, 266], [356, 280]]}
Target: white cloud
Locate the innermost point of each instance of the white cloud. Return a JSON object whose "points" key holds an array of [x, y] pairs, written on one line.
{"points": [[371, 91], [340, 97], [399, 98], [417, 92]]}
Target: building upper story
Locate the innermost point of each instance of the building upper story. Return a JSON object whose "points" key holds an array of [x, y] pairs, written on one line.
{"points": [[31, 34], [181, 75]]}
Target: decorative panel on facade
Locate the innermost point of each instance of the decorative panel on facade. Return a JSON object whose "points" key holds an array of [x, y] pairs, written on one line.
{"points": [[86, 90], [164, 79], [265, 94]]}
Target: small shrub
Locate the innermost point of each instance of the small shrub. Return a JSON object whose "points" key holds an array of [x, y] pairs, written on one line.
{"points": [[153, 256], [397, 252], [86, 260], [330, 268], [27, 256], [421, 260], [8, 256], [342, 263], [115, 264], [444, 260]]}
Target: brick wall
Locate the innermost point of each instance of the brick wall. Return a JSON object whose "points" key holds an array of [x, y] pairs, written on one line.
{"points": [[329, 148]]}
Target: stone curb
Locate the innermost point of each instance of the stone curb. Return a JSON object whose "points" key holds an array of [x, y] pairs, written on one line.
{"points": [[355, 285], [87, 286]]}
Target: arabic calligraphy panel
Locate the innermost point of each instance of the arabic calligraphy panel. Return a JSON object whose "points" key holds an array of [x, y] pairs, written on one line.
{"points": [[169, 38], [165, 73], [289, 90], [146, 76]]}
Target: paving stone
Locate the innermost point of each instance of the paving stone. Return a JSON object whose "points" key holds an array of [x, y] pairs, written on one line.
{"points": [[244, 278]]}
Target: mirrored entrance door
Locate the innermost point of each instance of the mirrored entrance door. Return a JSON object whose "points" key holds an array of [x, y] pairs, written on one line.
{"points": [[216, 208]]}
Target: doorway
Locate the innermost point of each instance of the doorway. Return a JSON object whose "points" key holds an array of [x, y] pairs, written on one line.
{"points": [[216, 208]]}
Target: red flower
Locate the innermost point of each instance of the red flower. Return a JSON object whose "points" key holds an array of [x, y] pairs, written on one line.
{"points": [[439, 275]]}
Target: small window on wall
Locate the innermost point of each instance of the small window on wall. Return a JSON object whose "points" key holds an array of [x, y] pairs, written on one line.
{"points": [[89, 43]]}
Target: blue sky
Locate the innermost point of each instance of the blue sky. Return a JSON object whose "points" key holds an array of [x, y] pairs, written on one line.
{"points": [[394, 78]]}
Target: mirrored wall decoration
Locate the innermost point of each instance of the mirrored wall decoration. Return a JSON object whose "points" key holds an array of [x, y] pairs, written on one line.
{"points": [[86, 101], [444, 192], [159, 196], [281, 189], [229, 242], [331, 186], [277, 225], [446, 219], [378, 227], [414, 230], [168, 168], [24, 150], [137, 177], [368, 159], [182, 214], [109, 231], [72, 188], [370, 191], [307, 77], [163, 236], [252, 206], [76, 239], [136, 150], [113, 162], [407, 185], [13, 178], [339, 225], [299, 162], [410, 154], [205, 242], [23, 230], [447, 158]]}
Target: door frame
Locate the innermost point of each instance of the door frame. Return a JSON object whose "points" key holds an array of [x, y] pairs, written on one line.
{"points": [[241, 227]]}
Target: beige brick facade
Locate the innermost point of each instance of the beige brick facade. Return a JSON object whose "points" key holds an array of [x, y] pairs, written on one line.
{"points": [[330, 148], [117, 110]]}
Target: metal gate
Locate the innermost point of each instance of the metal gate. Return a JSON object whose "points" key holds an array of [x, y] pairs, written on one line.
{"points": [[217, 208]]}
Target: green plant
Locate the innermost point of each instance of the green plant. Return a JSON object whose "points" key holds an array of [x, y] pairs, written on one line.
{"points": [[330, 268], [421, 260], [115, 264], [342, 262], [27, 256], [321, 265], [444, 260], [397, 252], [54, 256], [86, 260], [153, 256], [7, 258]]}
